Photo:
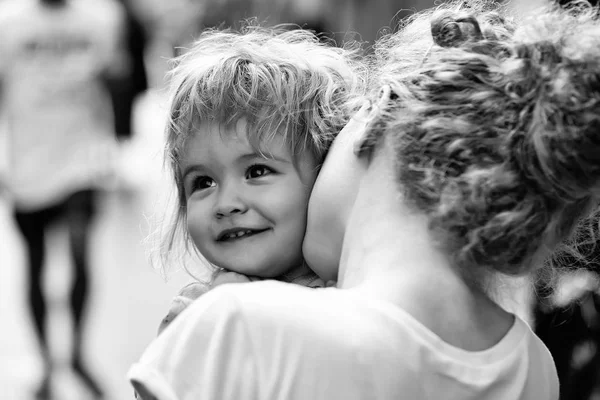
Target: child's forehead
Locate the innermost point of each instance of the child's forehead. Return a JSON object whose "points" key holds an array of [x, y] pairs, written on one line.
{"points": [[237, 129], [242, 133]]}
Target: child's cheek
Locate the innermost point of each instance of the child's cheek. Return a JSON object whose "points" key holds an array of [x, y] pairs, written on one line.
{"points": [[198, 222]]}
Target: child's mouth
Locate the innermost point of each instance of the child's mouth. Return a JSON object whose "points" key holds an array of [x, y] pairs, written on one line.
{"points": [[238, 234]]}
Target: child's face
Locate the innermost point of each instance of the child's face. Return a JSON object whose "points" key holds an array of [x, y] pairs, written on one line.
{"points": [[246, 213]]}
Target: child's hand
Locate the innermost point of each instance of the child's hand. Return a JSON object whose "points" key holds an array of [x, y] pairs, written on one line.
{"points": [[186, 296], [231, 277], [191, 292]]}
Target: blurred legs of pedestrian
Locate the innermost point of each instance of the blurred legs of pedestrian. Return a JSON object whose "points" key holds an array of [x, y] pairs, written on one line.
{"points": [[78, 211]]}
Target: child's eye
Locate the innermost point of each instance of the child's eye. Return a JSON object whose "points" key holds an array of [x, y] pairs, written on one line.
{"points": [[258, 171], [202, 182]]}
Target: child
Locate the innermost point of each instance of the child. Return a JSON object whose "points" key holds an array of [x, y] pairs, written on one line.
{"points": [[251, 118]]}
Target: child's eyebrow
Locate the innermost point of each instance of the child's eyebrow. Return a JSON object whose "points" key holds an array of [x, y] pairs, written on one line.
{"points": [[255, 155], [192, 168]]}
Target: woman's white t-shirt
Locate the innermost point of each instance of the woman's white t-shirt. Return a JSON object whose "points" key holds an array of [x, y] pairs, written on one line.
{"points": [[271, 340]]}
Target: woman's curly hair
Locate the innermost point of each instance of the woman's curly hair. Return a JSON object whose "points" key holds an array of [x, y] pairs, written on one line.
{"points": [[496, 129]]}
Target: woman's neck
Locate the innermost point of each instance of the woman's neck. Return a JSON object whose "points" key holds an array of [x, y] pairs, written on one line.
{"points": [[386, 242], [389, 252], [390, 255], [403, 267], [387, 249]]}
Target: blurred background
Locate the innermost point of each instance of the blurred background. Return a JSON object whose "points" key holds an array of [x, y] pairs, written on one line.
{"points": [[124, 296]]}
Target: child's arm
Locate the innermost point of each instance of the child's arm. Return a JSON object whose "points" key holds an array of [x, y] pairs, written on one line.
{"points": [[191, 292]]}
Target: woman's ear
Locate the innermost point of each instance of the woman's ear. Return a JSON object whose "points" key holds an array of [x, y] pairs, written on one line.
{"points": [[367, 141]]}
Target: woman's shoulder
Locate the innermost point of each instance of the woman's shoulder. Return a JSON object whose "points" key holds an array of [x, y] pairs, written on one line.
{"points": [[269, 299], [289, 311], [254, 299]]}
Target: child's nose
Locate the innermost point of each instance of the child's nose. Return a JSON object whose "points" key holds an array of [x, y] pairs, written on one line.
{"points": [[230, 202]]}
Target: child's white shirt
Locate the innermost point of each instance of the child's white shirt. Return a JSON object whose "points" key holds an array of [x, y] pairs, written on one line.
{"points": [[272, 340]]}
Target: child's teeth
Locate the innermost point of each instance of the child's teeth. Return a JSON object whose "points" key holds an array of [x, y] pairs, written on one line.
{"points": [[238, 234]]}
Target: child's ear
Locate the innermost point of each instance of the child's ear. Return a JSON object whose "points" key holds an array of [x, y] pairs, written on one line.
{"points": [[366, 143]]}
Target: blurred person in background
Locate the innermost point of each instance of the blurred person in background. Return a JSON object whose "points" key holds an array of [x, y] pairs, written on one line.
{"points": [[54, 57]]}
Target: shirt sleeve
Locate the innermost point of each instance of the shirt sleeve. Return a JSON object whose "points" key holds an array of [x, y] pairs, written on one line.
{"points": [[206, 354]]}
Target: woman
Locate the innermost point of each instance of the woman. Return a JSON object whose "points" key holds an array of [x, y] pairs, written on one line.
{"points": [[478, 158]]}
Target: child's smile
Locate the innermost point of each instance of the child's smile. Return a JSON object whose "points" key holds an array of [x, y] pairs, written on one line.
{"points": [[246, 211], [229, 235]]}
